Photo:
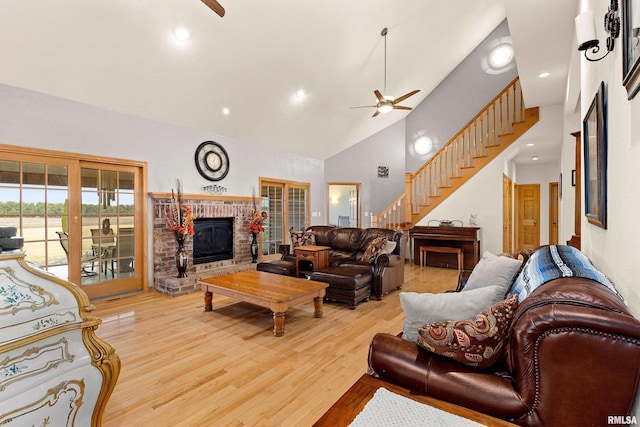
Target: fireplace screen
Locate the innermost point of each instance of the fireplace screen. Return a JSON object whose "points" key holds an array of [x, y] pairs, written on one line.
{"points": [[213, 239]]}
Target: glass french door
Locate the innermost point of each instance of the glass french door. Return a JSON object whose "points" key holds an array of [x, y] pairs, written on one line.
{"points": [[287, 204], [61, 208], [108, 228]]}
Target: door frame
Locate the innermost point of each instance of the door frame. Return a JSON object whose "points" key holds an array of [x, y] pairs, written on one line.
{"points": [[507, 224], [74, 162], [358, 209], [554, 211]]}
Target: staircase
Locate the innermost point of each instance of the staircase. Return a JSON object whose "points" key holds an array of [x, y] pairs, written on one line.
{"points": [[501, 122]]}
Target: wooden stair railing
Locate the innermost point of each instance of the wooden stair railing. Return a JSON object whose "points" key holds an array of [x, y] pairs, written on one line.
{"points": [[501, 122]]}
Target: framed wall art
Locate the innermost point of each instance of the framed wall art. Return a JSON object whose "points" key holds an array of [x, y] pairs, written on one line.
{"points": [[595, 160], [631, 47]]}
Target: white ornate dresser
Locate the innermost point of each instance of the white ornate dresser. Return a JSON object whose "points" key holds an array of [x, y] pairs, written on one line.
{"points": [[54, 370]]}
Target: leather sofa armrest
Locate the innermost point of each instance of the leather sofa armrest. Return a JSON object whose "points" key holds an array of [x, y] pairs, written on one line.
{"points": [[404, 363], [387, 260]]}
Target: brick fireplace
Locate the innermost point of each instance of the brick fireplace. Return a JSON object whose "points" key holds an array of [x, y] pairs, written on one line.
{"points": [[164, 244]]}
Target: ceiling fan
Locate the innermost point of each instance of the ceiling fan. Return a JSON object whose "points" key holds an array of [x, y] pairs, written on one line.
{"points": [[387, 103], [215, 6]]}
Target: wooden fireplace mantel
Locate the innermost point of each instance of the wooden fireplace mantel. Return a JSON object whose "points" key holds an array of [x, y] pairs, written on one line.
{"points": [[167, 195]]}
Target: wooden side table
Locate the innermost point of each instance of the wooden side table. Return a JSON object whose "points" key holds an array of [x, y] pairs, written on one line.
{"points": [[318, 256], [354, 400]]}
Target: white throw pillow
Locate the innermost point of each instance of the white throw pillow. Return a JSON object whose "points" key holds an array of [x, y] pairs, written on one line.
{"points": [[389, 246], [493, 270], [423, 308]]}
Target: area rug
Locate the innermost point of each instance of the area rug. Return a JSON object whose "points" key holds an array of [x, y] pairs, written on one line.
{"points": [[387, 409]]}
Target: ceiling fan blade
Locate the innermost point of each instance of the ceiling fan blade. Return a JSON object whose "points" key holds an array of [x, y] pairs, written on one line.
{"points": [[363, 106], [215, 6], [379, 96], [376, 113], [405, 96], [401, 107]]}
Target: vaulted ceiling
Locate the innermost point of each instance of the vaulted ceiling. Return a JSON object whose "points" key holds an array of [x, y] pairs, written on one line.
{"points": [[123, 55]]}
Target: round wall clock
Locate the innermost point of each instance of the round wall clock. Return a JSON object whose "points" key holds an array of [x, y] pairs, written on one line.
{"points": [[212, 161]]}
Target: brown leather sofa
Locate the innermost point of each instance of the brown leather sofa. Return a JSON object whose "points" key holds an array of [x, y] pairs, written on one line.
{"points": [[350, 278], [572, 359]]}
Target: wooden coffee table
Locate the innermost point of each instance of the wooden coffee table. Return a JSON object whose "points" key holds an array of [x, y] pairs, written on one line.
{"points": [[343, 412], [273, 291]]}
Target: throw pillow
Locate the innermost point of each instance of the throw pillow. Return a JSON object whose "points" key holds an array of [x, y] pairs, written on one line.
{"points": [[389, 247], [493, 270], [302, 238], [372, 251], [478, 342], [423, 308]]}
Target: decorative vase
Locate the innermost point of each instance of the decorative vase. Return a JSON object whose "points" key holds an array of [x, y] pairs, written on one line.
{"points": [[254, 248], [182, 258]]}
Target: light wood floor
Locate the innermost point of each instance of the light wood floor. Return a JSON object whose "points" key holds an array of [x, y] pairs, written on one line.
{"points": [[182, 366]]}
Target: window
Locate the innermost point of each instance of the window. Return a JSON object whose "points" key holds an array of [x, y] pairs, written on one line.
{"points": [[287, 204]]}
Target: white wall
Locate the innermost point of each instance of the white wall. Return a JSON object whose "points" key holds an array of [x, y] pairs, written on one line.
{"points": [[36, 120], [31, 119], [615, 250]]}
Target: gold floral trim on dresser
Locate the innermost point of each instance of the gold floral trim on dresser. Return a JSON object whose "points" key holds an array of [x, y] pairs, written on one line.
{"points": [[16, 295], [58, 407], [50, 354], [33, 361]]}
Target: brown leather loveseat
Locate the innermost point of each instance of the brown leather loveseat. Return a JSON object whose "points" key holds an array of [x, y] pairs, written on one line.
{"points": [[351, 278], [572, 358]]}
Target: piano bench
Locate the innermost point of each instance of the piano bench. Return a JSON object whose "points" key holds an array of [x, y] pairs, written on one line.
{"points": [[442, 250]]}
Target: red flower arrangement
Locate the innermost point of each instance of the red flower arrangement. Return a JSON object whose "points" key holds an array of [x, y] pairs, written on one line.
{"points": [[180, 217], [257, 225]]}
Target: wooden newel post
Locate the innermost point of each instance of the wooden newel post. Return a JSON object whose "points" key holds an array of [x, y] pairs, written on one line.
{"points": [[408, 177]]}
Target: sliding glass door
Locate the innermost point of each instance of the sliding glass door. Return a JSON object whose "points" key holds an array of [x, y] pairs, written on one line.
{"points": [[80, 220]]}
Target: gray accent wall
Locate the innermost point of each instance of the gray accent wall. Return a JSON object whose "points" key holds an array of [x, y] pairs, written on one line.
{"points": [[460, 96]]}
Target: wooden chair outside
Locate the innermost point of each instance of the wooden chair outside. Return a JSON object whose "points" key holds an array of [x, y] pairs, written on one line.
{"points": [[126, 247], [86, 258], [104, 246]]}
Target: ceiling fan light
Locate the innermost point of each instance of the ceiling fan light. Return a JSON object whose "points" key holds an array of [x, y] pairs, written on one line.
{"points": [[385, 107]]}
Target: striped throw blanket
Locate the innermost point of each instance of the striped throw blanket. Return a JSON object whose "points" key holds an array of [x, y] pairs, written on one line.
{"points": [[555, 262]]}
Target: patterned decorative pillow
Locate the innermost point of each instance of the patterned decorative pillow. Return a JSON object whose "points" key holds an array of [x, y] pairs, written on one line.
{"points": [[374, 248], [476, 342], [302, 238]]}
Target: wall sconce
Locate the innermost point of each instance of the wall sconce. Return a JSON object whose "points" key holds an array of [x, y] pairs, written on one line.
{"points": [[586, 31]]}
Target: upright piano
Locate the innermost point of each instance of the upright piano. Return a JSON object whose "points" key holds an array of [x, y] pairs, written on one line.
{"points": [[465, 238]]}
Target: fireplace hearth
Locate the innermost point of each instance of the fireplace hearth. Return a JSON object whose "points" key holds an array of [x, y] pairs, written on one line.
{"points": [[226, 246]]}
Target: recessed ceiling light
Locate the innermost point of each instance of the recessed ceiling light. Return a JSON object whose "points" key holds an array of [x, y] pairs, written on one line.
{"points": [[531, 144], [225, 111], [535, 158], [181, 34], [544, 75], [300, 94], [501, 55]]}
